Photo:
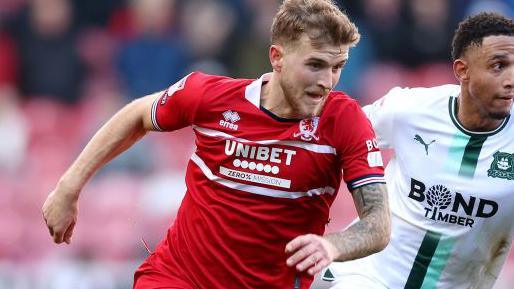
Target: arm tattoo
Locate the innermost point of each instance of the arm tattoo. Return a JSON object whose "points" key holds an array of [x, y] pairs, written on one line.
{"points": [[372, 232]]}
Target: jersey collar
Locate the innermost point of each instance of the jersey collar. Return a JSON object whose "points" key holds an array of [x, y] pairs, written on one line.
{"points": [[452, 106], [253, 90]]}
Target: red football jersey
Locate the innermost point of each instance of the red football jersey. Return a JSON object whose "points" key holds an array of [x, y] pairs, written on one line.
{"points": [[256, 181]]}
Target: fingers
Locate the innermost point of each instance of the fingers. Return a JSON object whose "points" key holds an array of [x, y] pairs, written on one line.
{"points": [[296, 243], [318, 266], [60, 234], [60, 214], [310, 261], [308, 253], [69, 233], [301, 255]]}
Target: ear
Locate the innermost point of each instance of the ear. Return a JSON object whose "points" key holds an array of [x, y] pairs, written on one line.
{"points": [[461, 70], [276, 57]]}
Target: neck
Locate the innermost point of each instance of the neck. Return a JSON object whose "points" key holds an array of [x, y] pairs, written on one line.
{"points": [[473, 117], [274, 100]]}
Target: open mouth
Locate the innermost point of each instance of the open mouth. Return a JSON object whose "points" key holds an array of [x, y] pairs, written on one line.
{"points": [[315, 96]]}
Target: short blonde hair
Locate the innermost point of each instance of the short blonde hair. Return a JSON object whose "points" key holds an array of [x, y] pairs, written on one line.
{"points": [[321, 20]]}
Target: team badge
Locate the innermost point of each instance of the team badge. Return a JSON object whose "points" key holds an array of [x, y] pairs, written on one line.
{"points": [[502, 166], [308, 129]]}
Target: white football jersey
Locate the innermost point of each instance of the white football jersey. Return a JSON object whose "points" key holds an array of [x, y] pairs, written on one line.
{"points": [[451, 193]]}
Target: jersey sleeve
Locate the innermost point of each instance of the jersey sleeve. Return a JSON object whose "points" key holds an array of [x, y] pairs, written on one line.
{"points": [[360, 156], [382, 115], [178, 105]]}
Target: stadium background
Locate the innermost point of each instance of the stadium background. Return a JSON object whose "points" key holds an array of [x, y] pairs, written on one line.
{"points": [[66, 66]]}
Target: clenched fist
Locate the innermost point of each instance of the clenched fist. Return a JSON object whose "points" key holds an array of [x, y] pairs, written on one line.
{"points": [[60, 212]]}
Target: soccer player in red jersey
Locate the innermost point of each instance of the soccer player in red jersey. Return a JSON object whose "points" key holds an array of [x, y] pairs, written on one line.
{"points": [[270, 157]]}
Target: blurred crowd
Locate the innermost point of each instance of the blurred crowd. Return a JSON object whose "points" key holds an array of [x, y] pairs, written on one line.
{"points": [[67, 65]]}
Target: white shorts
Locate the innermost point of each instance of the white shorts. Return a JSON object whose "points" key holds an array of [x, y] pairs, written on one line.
{"points": [[336, 279]]}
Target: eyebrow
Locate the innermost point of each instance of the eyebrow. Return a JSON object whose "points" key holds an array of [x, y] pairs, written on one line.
{"points": [[316, 59], [499, 56]]}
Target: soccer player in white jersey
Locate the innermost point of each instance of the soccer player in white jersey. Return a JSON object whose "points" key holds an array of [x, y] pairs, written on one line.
{"points": [[451, 180], [266, 169]]}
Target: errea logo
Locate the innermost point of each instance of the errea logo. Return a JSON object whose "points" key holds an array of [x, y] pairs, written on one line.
{"points": [[229, 119]]}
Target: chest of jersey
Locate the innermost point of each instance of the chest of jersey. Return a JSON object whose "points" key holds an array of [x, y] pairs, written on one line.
{"points": [[248, 146], [453, 179]]}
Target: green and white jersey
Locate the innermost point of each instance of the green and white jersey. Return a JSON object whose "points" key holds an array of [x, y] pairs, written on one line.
{"points": [[451, 194]]}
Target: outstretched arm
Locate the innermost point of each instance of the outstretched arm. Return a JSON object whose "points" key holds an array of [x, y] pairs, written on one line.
{"points": [[126, 127], [367, 236]]}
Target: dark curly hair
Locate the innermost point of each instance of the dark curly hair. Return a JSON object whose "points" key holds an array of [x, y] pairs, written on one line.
{"points": [[475, 28]]}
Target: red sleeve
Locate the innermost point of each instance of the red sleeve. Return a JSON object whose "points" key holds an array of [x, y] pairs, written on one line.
{"points": [[361, 159], [178, 105]]}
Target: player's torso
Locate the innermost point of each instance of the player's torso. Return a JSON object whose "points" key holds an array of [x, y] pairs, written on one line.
{"points": [[255, 182], [451, 194]]}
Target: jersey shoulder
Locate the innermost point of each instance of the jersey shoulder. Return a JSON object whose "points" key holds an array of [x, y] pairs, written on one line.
{"points": [[420, 97], [344, 117], [217, 91], [216, 83], [340, 103]]}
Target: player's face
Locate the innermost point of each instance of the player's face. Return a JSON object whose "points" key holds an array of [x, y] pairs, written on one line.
{"points": [[491, 77], [309, 73]]}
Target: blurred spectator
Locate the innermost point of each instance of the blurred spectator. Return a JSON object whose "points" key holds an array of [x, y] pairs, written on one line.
{"points": [[9, 65], [503, 7], [429, 32], [13, 130], [50, 66], [384, 24], [101, 88], [9, 7], [250, 57], [207, 25], [94, 12], [155, 56]]}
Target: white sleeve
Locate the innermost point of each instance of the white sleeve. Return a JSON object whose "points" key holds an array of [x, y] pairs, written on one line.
{"points": [[383, 113]]}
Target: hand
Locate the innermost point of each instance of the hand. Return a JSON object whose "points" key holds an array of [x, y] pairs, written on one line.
{"points": [[60, 212], [311, 253]]}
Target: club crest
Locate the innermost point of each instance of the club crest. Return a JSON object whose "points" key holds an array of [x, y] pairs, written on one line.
{"points": [[307, 129], [502, 166]]}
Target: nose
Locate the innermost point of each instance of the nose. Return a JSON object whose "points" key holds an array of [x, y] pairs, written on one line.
{"points": [[325, 80], [508, 81]]}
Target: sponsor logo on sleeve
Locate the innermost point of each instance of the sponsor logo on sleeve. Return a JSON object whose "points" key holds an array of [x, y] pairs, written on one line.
{"points": [[375, 159], [179, 85]]}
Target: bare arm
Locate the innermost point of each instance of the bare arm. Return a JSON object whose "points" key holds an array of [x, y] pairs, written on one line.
{"points": [[117, 135], [126, 127], [492, 269], [367, 236], [372, 232]]}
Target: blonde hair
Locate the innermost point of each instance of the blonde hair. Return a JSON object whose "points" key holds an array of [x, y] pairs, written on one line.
{"points": [[320, 20]]}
